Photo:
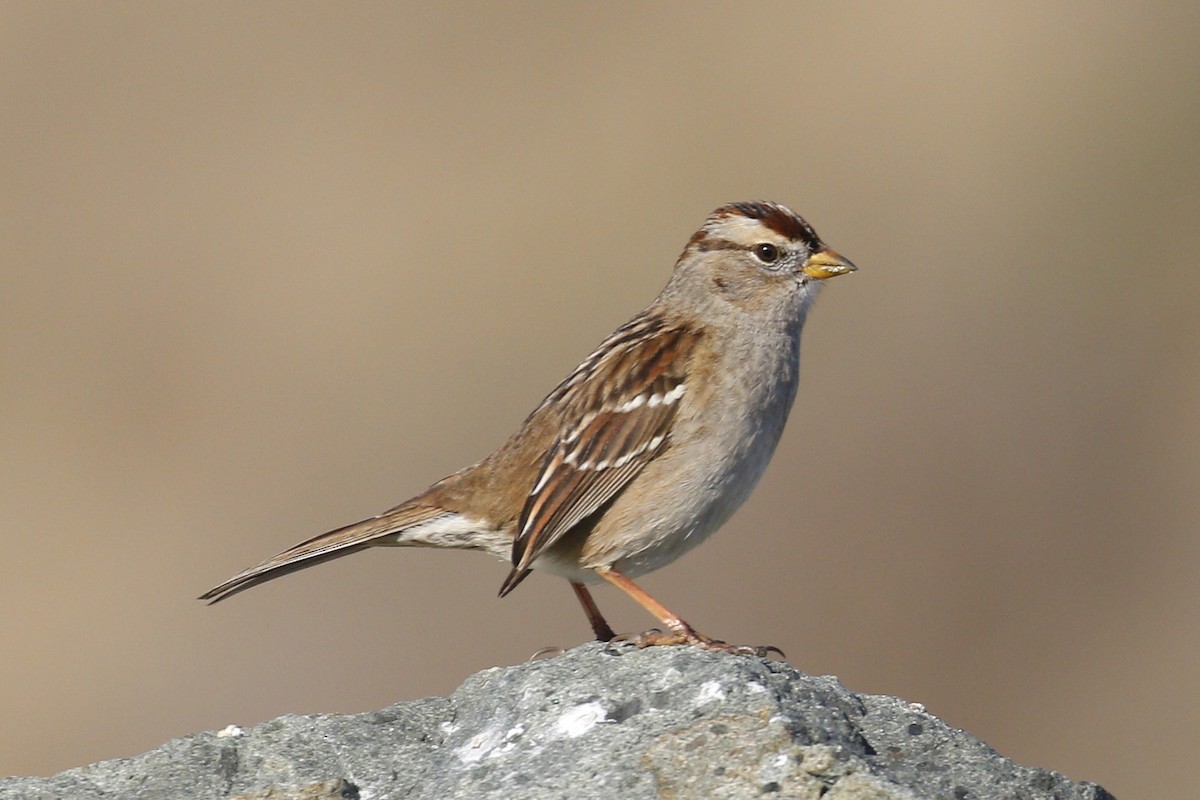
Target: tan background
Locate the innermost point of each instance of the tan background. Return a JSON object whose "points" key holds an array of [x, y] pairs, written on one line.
{"points": [[269, 268]]}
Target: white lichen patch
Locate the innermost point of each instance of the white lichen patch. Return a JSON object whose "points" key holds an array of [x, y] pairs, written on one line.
{"points": [[671, 676], [754, 687], [710, 691], [510, 740], [579, 720], [479, 746], [230, 730]]}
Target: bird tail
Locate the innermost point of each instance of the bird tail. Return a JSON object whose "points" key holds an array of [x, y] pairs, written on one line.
{"points": [[334, 544]]}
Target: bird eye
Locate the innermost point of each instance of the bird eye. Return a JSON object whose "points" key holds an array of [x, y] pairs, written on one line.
{"points": [[766, 252]]}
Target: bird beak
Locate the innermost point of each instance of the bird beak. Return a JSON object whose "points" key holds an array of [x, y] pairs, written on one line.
{"points": [[826, 264]]}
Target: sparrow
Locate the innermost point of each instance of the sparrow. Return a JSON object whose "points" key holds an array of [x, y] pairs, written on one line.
{"points": [[646, 448]]}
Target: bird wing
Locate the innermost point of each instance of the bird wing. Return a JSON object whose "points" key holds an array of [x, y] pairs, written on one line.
{"points": [[618, 408]]}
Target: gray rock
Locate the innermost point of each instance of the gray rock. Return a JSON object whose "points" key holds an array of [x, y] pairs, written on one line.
{"points": [[595, 722]]}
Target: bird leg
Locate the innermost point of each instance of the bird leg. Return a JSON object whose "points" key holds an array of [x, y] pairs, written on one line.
{"points": [[599, 626], [679, 632]]}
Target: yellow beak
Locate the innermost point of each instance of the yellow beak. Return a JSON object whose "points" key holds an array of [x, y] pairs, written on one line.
{"points": [[826, 264]]}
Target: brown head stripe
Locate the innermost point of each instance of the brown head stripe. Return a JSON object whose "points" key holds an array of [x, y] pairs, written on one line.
{"points": [[778, 219]]}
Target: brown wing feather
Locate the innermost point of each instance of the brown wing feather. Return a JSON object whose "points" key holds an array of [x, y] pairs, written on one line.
{"points": [[618, 410]]}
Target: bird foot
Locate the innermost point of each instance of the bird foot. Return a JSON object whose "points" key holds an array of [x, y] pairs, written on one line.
{"points": [[685, 635]]}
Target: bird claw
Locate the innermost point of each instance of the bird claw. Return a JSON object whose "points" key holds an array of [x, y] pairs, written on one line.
{"points": [[656, 637], [717, 646], [547, 653], [637, 639]]}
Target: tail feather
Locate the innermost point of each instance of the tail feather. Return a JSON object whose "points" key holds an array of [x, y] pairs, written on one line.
{"points": [[327, 546]]}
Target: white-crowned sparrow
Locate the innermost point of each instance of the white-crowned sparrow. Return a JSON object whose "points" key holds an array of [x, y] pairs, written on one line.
{"points": [[648, 445]]}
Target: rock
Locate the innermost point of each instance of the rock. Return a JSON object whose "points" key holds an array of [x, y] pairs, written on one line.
{"points": [[594, 722]]}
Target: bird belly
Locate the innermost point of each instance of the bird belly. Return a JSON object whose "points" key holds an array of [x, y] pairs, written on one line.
{"points": [[724, 436], [637, 536]]}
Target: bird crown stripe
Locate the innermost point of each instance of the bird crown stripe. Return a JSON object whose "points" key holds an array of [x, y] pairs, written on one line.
{"points": [[778, 218]]}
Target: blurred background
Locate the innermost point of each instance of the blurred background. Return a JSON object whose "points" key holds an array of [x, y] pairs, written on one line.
{"points": [[271, 268]]}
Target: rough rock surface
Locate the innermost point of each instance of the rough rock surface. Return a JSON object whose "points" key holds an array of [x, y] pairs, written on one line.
{"points": [[595, 722]]}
